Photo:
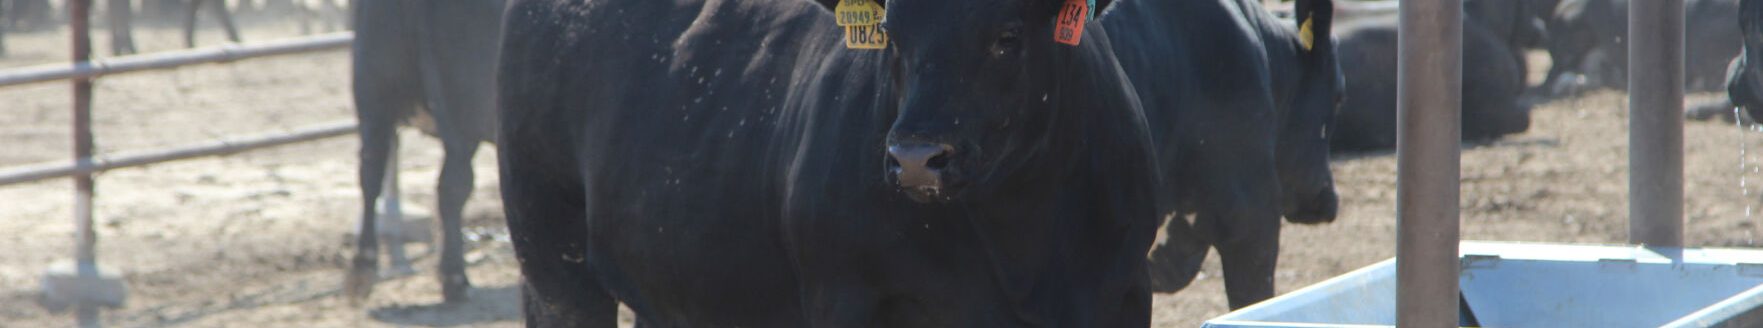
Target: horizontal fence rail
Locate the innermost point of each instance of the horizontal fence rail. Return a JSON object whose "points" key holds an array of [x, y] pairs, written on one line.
{"points": [[173, 59], [169, 60], [38, 172]]}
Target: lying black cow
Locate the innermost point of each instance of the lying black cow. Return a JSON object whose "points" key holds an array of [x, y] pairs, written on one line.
{"points": [[1519, 24], [1239, 104], [1587, 49], [730, 163], [430, 63], [1492, 84]]}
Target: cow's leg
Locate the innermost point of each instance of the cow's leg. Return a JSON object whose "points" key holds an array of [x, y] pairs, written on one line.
{"points": [[3, 25], [121, 42], [391, 218], [1240, 209], [1249, 250], [1176, 258], [226, 20], [377, 129], [548, 226], [190, 22], [455, 188]]}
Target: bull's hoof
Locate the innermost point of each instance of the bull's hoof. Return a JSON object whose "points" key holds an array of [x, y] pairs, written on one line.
{"points": [[1173, 270], [455, 289], [1165, 279], [358, 284]]}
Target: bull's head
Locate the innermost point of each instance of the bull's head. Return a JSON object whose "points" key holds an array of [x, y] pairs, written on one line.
{"points": [[979, 89], [1744, 86], [1306, 181]]}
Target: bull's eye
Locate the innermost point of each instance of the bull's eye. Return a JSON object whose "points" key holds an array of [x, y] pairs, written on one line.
{"points": [[1008, 41]]}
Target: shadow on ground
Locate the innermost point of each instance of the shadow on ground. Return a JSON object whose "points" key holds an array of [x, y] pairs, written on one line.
{"points": [[487, 304]]}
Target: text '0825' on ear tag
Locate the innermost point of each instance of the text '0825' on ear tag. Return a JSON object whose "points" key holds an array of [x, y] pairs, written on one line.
{"points": [[1072, 17], [862, 22], [865, 37]]}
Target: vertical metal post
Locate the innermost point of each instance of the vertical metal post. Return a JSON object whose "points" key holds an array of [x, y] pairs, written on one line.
{"points": [[86, 256], [1429, 108], [1655, 121]]}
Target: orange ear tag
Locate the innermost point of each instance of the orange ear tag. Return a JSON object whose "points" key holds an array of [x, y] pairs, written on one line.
{"points": [[1072, 17]]}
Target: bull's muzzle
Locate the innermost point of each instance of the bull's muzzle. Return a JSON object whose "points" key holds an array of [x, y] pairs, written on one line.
{"points": [[918, 168]]}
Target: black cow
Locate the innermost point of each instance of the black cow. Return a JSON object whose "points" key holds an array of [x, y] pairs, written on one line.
{"points": [[218, 8], [729, 163], [1587, 49], [121, 16], [1492, 85], [29, 15], [431, 63], [1519, 24], [1239, 104], [1743, 87]]}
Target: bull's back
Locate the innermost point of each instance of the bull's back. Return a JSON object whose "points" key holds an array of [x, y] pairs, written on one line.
{"points": [[668, 112]]}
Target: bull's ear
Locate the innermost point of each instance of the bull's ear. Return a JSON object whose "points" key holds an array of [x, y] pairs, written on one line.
{"points": [[1053, 6], [1315, 22], [1750, 17], [829, 4], [832, 4]]}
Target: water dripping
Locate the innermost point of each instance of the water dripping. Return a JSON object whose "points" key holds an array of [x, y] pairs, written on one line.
{"points": [[1745, 167]]}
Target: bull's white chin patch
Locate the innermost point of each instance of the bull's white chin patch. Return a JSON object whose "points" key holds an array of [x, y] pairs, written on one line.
{"points": [[925, 194]]}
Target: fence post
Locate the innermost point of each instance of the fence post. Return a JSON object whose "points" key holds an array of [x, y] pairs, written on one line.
{"points": [[1655, 121], [1429, 99]]}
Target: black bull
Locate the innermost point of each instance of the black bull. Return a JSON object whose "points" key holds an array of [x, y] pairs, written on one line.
{"points": [[728, 163], [427, 63], [1239, 105], [1744, 86]]}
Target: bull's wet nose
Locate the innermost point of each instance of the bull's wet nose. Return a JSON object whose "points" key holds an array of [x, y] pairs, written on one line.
{"points": [[919, 165]]}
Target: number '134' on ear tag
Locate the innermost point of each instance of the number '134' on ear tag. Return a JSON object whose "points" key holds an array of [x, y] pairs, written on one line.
{"points": [[862, 22], [1072, 17]]}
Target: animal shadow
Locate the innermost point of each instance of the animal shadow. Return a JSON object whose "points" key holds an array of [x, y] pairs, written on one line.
{"points": [[485, 305]]}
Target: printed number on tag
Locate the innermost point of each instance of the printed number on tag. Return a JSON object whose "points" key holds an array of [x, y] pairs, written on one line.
{"points": [[858, 12], [1070, 27], [865, 37]]}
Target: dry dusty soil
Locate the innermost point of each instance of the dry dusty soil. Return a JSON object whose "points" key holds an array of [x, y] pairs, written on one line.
{"points": [[259, 239]]}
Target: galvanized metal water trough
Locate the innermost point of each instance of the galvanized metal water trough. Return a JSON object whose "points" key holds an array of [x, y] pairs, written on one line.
{"points": [[1544, 285]]}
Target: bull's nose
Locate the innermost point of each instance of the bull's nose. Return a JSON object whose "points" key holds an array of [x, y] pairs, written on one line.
{"points": [[919, 166]]}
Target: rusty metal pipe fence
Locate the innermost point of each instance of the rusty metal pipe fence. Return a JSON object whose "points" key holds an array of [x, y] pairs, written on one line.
{"points": [[84, 286], [170, 60]]}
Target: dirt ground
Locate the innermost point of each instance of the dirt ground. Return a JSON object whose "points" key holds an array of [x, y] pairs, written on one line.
{"points": [[259, 239]]}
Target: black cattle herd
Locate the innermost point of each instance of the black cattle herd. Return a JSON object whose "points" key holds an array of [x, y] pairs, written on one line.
{"points": [[835, 163]]}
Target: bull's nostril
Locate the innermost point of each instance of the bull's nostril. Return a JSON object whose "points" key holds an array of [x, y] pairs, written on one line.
{"points": [[918, 165], [938, 162]]}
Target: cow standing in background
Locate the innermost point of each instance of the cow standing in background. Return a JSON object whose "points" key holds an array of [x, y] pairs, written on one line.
{"points": [[218, 8], [121, 19], [725, 163], [431, 63], [30, 15], [3, 27], [119, 12], [1239, 104]]}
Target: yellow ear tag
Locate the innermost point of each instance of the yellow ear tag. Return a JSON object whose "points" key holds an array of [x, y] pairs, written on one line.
{"points": [[1306, 38], [865, 37], [858, 12], [862, 22]]}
